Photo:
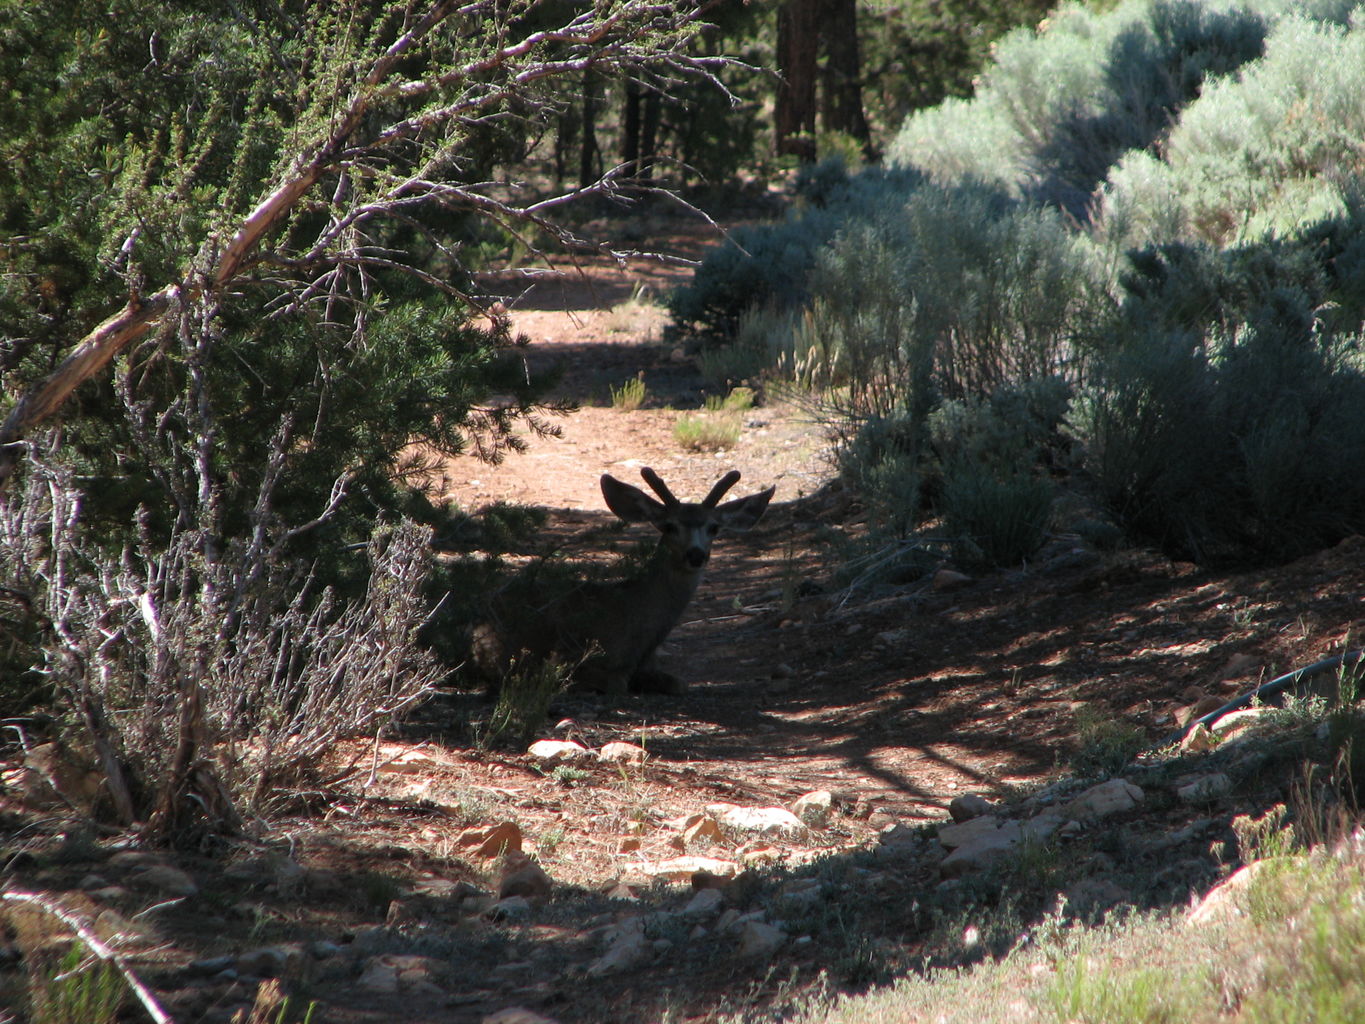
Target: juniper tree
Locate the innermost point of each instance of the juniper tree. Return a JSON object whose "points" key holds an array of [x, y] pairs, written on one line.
{"points": [[235, 296]]}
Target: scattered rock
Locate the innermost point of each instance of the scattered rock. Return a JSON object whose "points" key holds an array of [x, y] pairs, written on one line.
{"points": [[627, 753], [1204, 789], [1198, 740], [982, 848], [969, 806], [757, 819], [1237, 723], [681, 869], [491, 841], [1239, 666], [1112, 797], [627, 948], [166, 879], [517, 1015], [950, 579], [558, 751], [522, 876], [513, 908], [704, 903], [814, 808], [704, 828], [757, 939]]}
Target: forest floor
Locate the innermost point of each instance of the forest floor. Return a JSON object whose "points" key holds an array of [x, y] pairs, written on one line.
{"points": [[895, 699]]}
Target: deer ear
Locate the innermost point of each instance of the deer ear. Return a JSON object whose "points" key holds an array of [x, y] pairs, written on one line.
{"points": [[630, 503], [742, 513]]}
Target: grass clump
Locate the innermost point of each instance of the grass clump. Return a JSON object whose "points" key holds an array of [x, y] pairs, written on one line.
{"points": [[718, 425], [631, 395]]}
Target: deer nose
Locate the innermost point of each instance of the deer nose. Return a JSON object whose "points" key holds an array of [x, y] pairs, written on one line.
{"points": [[696, 557]]}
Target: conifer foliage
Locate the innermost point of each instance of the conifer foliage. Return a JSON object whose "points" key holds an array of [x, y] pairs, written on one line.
{"points": [[234, 283]]}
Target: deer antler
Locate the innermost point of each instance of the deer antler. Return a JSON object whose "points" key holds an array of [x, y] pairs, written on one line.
{"points": [[659, 487], [722, 485]]}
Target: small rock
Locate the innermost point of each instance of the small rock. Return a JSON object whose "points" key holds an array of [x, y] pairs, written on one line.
{"points": [[558, 751], [164, 878], [969, 806], [517, 1015], [1092, 895], [211, 965], [706, 828], [1239, 666], [513, 908], [1236, 723], [950, 579], [1205, 789], [983, 849], [1198, 740], [756, 819], [681, 869], [704, 903], [1112, 797], [953, 836], [629, 844], [524, 877], [628, 753], [1223, 901], [491, 841], [758, 939], [627, 948], [379, 976], [814, 808]]}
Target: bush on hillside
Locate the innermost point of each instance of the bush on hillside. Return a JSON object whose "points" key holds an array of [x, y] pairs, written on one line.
{"points": [[1262, 153], [768, 264], [1240, 444]]}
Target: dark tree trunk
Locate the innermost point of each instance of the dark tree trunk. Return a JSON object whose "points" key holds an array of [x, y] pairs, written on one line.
{"points": [[630, 130], [798, 46], [589, 163], [649, 132], [841, 83]]}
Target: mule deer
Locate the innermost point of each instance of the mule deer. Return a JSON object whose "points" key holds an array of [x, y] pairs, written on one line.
{"points": [[610, 631]]}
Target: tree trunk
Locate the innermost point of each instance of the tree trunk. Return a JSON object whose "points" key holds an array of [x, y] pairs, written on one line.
{"points": [[589, 163], [841, 76], [649, 132], [798, 46], [630, 130]]}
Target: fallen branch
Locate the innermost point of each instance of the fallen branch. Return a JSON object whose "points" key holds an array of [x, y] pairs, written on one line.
{"points": [[96, 946]]}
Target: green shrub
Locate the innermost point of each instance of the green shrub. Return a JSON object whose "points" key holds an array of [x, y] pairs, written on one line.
{"points": [[767, 265], [1236, 444], [1262, 153], [995, 517]]}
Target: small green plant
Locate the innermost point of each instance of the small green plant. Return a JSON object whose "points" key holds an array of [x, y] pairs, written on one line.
{"points": [[524, 696], [78, 989], [567, 775], [1104, 744], [550, 841], [631, 395], [740, 399], [708, 431]]}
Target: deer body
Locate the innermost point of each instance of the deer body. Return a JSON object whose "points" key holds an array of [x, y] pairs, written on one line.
{"points": [[609, 632]]}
